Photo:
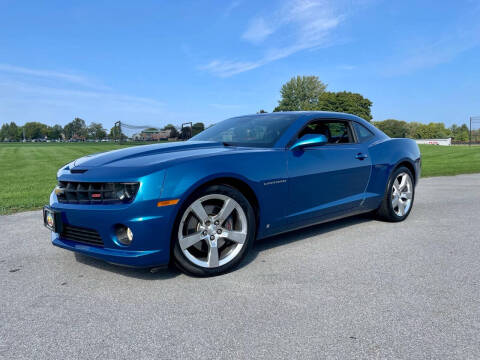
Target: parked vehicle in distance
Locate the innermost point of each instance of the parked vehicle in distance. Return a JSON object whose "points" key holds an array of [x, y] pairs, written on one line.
{"points": [[202, 203]]}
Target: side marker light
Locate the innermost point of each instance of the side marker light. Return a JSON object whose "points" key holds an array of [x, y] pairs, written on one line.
{"points": [[167, 202]]}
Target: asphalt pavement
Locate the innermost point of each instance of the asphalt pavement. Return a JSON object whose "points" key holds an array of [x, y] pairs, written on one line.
{"points": [[352, 289]]}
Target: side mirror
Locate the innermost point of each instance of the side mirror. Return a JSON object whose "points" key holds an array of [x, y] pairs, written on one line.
{"points": [[309, 140]]}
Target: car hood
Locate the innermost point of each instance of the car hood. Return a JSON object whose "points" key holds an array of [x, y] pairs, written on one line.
{"points": [[150, 155]]}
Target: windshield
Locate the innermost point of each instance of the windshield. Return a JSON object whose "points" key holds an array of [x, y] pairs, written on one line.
{"points": [[252, 130]]}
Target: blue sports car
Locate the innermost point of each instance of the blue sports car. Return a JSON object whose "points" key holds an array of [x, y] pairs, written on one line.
{"points": [[200, 204]]}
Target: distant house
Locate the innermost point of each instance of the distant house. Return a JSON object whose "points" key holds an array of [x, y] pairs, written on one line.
{"points": [[152, 135]]}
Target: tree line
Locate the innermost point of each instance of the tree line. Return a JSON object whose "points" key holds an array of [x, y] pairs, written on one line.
{"points": [[308, 93], [397, 128], [76, 129]]}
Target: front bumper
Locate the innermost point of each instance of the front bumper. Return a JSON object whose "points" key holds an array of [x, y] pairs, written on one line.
{"points": [[146, 258], [150, 224]]}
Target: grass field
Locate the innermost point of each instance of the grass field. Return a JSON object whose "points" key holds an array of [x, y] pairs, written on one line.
{"points": [[27, 171], [449, 160]]}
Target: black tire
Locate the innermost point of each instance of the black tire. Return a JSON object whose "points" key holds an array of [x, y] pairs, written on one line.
{"points": [[187, 266], [386, 211]]}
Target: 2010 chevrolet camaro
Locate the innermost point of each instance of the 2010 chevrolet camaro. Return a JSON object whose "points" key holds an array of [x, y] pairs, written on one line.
{"points": [[201, 203]]}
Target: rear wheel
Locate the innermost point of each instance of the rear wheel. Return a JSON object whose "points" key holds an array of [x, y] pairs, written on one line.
{"points": [[214, 231], [399, 196]]}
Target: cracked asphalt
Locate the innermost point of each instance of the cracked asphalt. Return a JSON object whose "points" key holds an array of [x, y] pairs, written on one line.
{"points": [[352, 289]]}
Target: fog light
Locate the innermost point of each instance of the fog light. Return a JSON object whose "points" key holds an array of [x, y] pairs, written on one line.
{"points": [[124, 235], [50, 220]]}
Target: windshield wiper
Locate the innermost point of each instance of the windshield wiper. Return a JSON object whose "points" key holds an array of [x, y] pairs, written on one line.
{"points": [[227, 144]]}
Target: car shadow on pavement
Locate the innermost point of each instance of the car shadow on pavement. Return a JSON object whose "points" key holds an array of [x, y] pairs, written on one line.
{"points": [[302, 234], [266, 244], [161, 273]]}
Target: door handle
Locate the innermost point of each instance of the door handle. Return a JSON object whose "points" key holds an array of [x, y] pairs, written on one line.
{"points": [[361, 156]]}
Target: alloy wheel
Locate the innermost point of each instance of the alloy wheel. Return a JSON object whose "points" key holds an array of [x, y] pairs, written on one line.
{"points": [[402, 194], [212, 231]]}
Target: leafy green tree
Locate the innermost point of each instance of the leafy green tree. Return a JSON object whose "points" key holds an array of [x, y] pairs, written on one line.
{"points": [[96, 131], [345, 101], [174, 131], [308, 93], [14, 132], [55, 132], [393, 128], [429, 131], [197, 128], [460, 133], [300, 93], [4, 130], [416, 130], [35, 130], [475, 135], [77, 127], [185, 133], [116, 134], [412, 129]]}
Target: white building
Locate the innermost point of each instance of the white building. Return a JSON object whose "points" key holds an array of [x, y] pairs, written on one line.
{"points": [[444, 142]]}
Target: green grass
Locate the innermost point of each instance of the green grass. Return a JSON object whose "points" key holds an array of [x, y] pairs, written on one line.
{"points": [[28, 171], [449, 160]]}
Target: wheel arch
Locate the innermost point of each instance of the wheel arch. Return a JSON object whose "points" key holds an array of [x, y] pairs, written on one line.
{"points": [[237, 183], [409, 165]]}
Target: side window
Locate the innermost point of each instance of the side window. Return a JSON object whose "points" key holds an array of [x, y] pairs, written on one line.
{"points": [[363, 134], [336, 131]]}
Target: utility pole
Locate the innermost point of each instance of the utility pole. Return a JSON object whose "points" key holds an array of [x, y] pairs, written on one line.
{"points": [[118, 129], [470, 133]]}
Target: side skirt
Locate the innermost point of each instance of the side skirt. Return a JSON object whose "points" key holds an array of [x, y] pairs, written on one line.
{"points": [[320, 221]]}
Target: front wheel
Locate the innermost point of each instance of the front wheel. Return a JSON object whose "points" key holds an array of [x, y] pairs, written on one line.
{"points": [[398, 200], [214, 231]]}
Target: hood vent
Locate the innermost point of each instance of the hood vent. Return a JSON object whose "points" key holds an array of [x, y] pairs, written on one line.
{"points": [[78, 171]]}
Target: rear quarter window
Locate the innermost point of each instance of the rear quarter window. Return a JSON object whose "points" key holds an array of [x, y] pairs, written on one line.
{"points": [[363, 134]]}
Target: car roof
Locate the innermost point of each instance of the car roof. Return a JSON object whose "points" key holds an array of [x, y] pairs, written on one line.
{"points": [[309, 114]]}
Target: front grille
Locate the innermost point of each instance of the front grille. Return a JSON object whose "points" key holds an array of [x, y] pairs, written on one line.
{"points": [[95, 193], [81, 235]]}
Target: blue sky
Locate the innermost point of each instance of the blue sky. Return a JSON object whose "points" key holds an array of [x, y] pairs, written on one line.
{"points": [[158, 62]]}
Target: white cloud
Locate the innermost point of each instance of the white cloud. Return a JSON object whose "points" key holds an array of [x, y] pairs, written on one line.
{"points": [[298, 25], [23, 101], [54, 75], [224, 68], [47, 93], [257, 31], [34, 93]]}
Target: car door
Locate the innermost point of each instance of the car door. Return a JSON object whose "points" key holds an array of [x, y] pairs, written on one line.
{"points": [[328, 180]]}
